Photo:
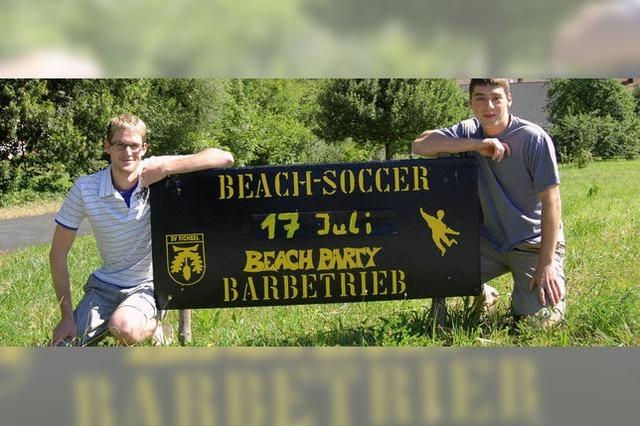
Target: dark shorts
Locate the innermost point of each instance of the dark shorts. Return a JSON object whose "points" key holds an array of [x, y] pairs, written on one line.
{"points": [[100, 301]]}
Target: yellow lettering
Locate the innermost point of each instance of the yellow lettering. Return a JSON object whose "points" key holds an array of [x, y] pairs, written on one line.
{"points": [[519, 392], [93, 401], [324, 259], [290, 289], [390, 396], [306, 259], [379, 283], [230, 285], [253, 262], [361, 180], [278, 184], [400, 179], [344, 283], [353, 229], [466, 390], [340, 396], [431, 403], [379, 186], [347, 185], [305, 184], [226, 187], [194, 394], [420, 182], [263, 186], [371, 252], [325, 223], [287, 400], [339, 229], [270, 285], [249, 289], [308, 290], [245, 399], [398, 286], [268, 260], [242, 185], [329, 182], [143, 405], [327, 278]]}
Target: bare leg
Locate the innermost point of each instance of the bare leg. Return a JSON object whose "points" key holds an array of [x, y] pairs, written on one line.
{"points": [[130, 326]]}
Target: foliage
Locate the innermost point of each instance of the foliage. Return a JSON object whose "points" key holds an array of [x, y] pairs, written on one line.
{"points": [[636, 97], [15, 203], [598, 97], [582, 137], [387, 112], [346, 151], [53, 130], [593, 118], [267, 121]]}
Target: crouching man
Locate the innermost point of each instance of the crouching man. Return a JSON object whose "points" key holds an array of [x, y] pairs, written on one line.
{"points": [[518, 186], [118, 297]]}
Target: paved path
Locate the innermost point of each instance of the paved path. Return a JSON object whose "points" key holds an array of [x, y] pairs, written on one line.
{"points": [[31, 230]]}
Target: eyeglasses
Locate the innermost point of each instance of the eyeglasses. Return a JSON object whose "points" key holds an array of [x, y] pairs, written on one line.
{"points": [[122, 146]]}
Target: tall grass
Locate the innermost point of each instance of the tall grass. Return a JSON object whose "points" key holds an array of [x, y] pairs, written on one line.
{"points": [[601, 213]]}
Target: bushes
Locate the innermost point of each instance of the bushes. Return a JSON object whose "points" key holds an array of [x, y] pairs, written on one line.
{"points": [[593, 119], [583, 137]]}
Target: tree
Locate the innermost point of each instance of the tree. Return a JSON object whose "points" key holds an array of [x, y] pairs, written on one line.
{"points": [[267, 121], [597, 97], [593, 119], [53, 130], [387, 112]]}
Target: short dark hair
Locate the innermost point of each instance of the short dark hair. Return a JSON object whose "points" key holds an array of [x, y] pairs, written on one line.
{"points": [[501, 82]]}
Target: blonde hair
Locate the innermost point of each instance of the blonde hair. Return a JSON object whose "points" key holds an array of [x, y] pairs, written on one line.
{"points": [[127, 121]]}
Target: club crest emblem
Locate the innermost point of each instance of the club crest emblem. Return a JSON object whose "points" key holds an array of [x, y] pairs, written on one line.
{"points": [[186, 261]]}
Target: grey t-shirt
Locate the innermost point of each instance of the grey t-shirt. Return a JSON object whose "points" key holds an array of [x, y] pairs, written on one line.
{"points": [[508, 189]]}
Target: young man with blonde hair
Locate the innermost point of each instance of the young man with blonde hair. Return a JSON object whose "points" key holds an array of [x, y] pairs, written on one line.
{"points": [[118, 297], [518, 187]]}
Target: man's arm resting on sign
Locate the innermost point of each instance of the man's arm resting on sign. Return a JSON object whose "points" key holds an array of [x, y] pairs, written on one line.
{"points": [[431, 143], [60, 245], [159, 168], [545, 277]]}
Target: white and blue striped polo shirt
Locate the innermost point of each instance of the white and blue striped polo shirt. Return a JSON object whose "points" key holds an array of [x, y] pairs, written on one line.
{"points": [[123, 233]]}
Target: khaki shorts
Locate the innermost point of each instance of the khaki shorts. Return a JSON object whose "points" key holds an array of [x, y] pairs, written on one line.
{"points": [[521, 261], [100, 301]]}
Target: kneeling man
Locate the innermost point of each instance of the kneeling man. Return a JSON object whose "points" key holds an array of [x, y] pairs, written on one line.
{"points": [[518, 186], [118, 297]]}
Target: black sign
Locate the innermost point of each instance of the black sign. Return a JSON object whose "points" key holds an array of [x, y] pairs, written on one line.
{"points": [[316, 234]]}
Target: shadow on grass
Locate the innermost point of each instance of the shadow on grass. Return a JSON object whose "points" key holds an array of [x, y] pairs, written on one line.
{"points": [[412, 327]]}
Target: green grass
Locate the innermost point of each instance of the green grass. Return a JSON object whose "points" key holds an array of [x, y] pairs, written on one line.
{"points": [[602, 224], [28, 203], [27, 196]]}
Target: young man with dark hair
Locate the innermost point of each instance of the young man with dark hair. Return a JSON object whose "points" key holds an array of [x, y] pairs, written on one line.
{"points": [[518, 186], [118, 297]]}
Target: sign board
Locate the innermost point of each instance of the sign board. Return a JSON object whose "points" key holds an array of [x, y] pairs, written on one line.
{"points": [[325, 233]]}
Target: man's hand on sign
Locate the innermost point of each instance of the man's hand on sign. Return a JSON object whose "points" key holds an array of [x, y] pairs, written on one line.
{"points": [[548, 286], [66, 329], [492, 147]]}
